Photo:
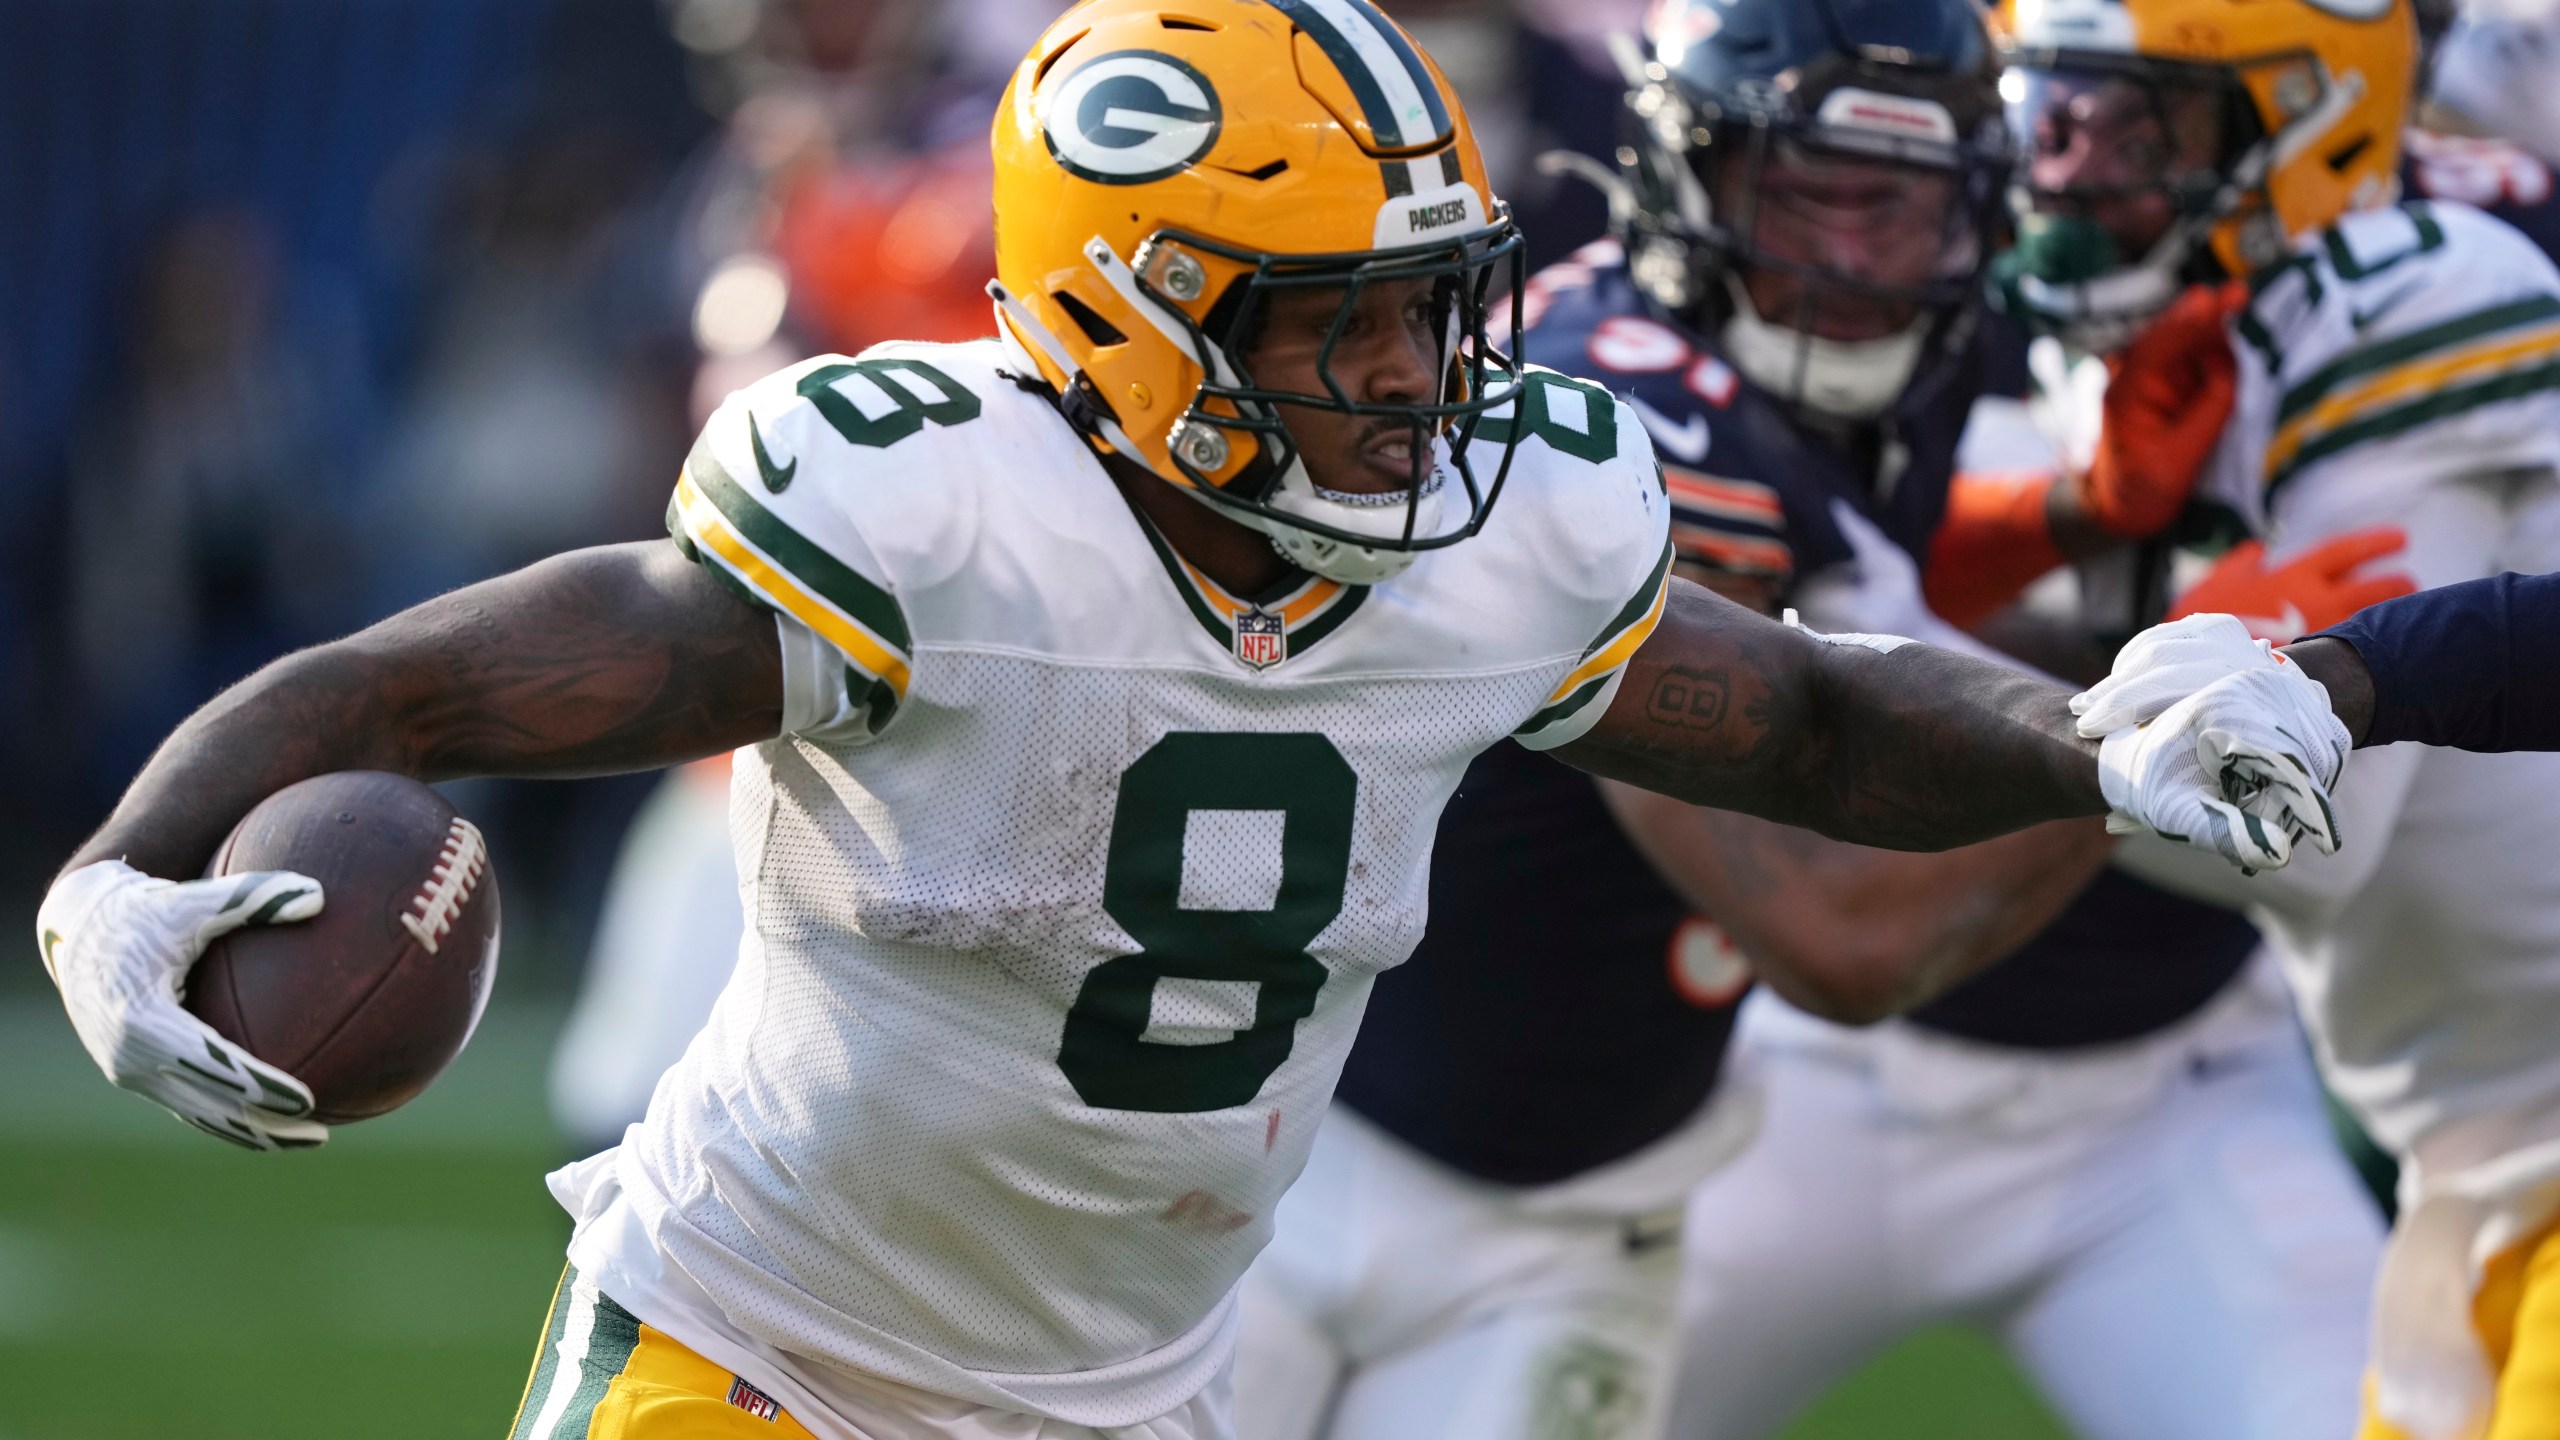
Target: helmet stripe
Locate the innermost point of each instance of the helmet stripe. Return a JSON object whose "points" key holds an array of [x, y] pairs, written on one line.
{"points": [[1395, 91]]}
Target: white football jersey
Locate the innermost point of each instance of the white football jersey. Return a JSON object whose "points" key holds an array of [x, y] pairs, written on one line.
{"points": [[1066, 885], [2405, 370]]}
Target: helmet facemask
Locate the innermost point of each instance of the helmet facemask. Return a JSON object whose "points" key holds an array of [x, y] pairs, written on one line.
{"points": [[2128, 164], [1232, 448], [1830, 252], [1840, 258]]}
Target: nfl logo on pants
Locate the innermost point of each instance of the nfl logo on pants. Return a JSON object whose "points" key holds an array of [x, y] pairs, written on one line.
{"points": [[1262, 638], [752, 1400]]}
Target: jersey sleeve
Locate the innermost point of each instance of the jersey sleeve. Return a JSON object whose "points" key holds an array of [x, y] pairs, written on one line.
{"points": [[766, 504], [2435, 350], [1620, 519], [1730, 525], [2466, 666]]}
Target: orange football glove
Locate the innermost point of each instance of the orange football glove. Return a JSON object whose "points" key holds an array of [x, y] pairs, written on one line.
{"points": [[2168, 396], [2313, 592], [1993, 542]]}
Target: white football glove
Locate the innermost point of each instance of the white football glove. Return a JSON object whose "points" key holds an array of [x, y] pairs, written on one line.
{"points": [[119, 942], [2241, 767], [2164, 665]]}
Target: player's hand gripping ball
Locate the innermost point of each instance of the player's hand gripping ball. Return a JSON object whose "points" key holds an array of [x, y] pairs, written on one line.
{"points": [[347, 936], [118, 943]]}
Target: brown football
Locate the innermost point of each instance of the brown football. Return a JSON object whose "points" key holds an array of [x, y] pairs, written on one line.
{"points": [[371, 999]]}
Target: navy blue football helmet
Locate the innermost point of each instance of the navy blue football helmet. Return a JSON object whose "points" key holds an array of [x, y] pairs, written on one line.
{"points": [[1817, 185]]}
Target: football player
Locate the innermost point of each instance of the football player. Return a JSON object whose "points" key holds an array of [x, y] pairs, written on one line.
{"points": [[1098, 686], [1485, 1240], [1812, 201], [2397, 363]]}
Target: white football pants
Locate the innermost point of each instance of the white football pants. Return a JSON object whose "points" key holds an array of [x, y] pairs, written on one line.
{"points": [[2163, 1233], [1402, 1300]]}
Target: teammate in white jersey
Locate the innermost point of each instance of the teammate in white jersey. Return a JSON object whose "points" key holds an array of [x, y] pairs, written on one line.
{"points": [[2398, 364], [1104, 683]]}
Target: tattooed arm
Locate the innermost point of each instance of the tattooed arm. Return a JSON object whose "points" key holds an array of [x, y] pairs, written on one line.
{"points": [[1917, 750], [617, 658]]}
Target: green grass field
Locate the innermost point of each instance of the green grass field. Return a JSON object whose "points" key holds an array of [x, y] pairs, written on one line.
{"points": [[154, 1283]]}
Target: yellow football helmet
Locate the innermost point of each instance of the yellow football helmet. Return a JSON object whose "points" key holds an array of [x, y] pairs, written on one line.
{"points": [[2312, 95], [1162, 168]]}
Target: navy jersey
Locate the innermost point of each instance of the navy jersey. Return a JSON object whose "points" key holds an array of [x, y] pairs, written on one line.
{"points": [[2466, 666], [2510, 183], [1752, 490], [1564, 1009], [1751, 486]]}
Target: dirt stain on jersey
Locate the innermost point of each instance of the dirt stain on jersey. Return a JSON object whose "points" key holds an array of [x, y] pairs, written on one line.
{"points": [[1200, 1210]]}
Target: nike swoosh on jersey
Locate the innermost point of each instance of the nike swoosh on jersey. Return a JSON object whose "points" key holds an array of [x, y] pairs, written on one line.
{"points": [[777, 478], [1687, 442]]}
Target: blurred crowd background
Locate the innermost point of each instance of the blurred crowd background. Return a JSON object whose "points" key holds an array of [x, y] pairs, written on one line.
{"points": [[310, 309]]}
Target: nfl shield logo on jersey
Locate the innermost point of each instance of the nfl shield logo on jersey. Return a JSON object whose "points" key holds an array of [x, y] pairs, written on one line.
{"points": [[1262, 638], [752, 1400]]}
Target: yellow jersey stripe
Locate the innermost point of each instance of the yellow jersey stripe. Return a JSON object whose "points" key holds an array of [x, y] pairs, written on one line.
{"points": [[1314, 598], [711, 530], [2417, 377], [1620, 648]]}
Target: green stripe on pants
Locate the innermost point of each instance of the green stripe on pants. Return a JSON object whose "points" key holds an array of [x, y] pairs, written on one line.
{"points": [[587, 1343]]}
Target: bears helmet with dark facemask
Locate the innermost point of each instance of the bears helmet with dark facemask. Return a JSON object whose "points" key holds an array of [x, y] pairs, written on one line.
{"points": [[1815, 184]]}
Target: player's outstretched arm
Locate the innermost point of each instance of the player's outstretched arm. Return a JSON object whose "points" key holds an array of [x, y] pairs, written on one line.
{"points": [[622, 657], [1918, 749]]}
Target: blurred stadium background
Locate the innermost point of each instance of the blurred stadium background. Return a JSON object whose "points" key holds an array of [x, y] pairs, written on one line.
{"points": [[311, 308]]}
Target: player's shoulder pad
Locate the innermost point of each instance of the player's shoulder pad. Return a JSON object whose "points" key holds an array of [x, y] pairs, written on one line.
{"points": [[827, 489], [1591, 507], [2398, 321]]}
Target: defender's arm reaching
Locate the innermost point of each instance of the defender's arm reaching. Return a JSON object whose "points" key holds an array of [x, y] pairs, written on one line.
{"points": [[1855, 934], [2468, 666]]}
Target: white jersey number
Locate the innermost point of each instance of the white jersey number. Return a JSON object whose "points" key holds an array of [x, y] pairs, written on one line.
{"points": [[1229, 954]]}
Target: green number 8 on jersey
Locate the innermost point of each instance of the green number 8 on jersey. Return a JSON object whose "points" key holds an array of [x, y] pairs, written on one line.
{"points": [[1216, 963]]}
